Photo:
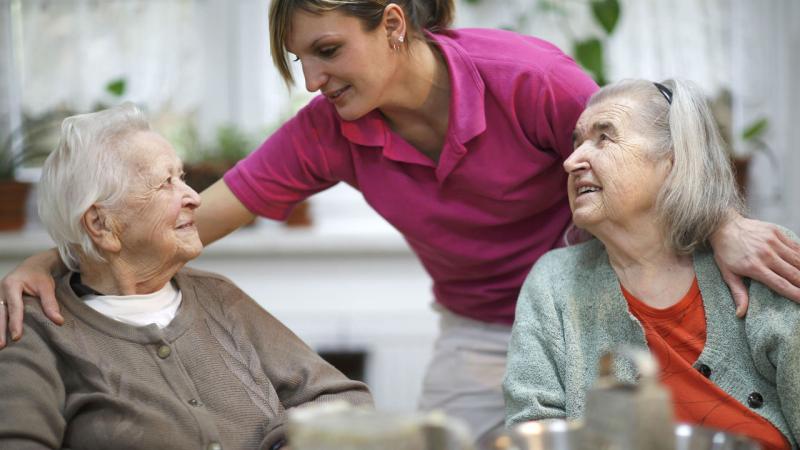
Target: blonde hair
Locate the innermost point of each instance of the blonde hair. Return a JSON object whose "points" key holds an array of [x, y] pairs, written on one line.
{"points": [[84, 170], [700, 191], [429, 15]]}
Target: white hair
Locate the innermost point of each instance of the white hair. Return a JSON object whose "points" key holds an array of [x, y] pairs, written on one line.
{"points": [[85, 170], [700, 192]]}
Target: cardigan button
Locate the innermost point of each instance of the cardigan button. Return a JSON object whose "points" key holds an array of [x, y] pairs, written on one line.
{"points": [[704, 370], [195, 402], [755, 400], [214, 446], [164, 351]]}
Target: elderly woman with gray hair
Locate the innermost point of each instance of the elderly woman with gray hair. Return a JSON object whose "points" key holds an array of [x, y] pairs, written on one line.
{"points": [[649, 178], [151, 354]]}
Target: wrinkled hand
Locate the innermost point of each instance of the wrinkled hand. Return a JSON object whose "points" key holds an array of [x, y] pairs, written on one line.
{"points": [[758, 250], [32, 277]]}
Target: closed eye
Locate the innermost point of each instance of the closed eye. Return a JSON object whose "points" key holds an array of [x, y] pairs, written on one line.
{"points": [[328, 52]]}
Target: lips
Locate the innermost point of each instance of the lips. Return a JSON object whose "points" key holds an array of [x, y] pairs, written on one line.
{"points": [[185, 225], [334, 95], [588, 189], [584, 187]]}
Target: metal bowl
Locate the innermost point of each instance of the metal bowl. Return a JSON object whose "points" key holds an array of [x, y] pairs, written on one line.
{"points": [[565, 435]]}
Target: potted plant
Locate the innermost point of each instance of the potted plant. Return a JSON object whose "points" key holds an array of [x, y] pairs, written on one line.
{"points": [[27, 145], [208, 165], [751, 137]]}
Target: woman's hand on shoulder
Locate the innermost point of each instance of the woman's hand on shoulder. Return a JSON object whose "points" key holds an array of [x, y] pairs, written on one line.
{"points": [[758, 250], [32, 277]]}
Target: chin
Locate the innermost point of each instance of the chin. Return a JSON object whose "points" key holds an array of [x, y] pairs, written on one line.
{"points": [[585, 221], [191, 250], [351, 112]]}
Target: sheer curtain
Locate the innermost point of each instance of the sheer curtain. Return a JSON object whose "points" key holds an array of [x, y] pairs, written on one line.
{"points": [[750, 48], [208, 61]]}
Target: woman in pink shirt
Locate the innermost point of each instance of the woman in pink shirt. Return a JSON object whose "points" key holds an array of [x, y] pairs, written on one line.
{"points": [[457, 138]]}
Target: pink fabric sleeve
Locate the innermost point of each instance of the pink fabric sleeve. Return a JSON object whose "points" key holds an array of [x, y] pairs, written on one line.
{"points": [[290, 165], [560, 97]]}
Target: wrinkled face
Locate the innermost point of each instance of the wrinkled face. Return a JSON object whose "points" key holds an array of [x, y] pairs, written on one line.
{"points": [[157, 227], [353, 68], [613, 180]]}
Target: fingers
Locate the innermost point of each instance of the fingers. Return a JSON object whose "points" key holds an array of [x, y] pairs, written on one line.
{"points": [[738, 291], [50, 306], [783, 278], [14, 310], [789, 251], [12, 297], [3, 318]]}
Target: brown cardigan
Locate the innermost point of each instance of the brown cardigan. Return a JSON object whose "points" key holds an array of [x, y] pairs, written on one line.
{"points": [[221, 375]]}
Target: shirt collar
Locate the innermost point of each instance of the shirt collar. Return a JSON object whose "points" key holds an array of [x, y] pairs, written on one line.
{"points": [[467, 113]]}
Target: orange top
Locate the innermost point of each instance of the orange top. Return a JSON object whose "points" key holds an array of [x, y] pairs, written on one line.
{"points": [[676, 337]]}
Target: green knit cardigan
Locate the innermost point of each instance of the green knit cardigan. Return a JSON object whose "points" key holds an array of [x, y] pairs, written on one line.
{"points": [[571, 310]]}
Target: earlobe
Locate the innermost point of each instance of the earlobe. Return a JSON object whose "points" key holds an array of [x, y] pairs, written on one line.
{"points": [[98, 226], [394, 22]]}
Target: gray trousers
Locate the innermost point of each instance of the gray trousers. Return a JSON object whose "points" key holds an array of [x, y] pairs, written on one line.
{"points": [[464, 378]]}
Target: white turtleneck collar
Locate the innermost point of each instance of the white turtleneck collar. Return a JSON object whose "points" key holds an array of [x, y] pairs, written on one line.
{"points": [[157, 308]]}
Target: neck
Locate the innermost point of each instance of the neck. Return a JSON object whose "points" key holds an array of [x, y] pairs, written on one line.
{"points": [[422, 90], [646, 266], [117, 277]]}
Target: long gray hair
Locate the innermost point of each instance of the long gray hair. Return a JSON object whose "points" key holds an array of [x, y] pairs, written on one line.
{"points": [[700, 193], [84, 170]]}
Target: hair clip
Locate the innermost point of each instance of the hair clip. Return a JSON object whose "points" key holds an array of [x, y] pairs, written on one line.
{"points": [[665, 91]]}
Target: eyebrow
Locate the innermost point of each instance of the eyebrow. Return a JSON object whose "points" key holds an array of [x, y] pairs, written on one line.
{"points": [[313, 44], [601, 126]]}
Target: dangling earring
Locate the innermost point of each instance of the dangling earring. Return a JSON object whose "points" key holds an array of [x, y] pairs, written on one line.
{"points": [[396, 44]]}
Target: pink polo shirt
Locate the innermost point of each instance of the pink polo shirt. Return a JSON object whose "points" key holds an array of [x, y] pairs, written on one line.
{"points": [[495, 202]]}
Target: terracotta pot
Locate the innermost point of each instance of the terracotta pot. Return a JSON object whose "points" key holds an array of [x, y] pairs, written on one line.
{"points": [[300, 216], [13, 196], [202, 175]]}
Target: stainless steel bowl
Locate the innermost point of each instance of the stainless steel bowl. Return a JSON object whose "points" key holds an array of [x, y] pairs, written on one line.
{"points": [[564, 435]]}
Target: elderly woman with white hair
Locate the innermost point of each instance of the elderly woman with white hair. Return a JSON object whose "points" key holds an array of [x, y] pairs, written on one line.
{"points": [[151, 354], [650, 180]]}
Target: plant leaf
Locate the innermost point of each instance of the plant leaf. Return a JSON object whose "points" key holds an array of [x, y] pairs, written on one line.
{"points": [[116, 87], [756, 129], [589, 54], [606, 12]]}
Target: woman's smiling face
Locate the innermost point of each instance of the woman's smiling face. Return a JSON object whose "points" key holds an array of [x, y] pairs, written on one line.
{"points": [[352, 67], [613, 178]]}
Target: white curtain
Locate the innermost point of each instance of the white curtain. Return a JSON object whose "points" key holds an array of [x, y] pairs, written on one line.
{"points": [[209, 59]]}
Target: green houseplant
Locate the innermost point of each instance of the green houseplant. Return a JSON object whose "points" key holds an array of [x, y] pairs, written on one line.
{"points": [[27, 145]]}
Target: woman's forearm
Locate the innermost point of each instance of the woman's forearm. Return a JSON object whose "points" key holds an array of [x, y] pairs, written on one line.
{"points": [[220, 213]]}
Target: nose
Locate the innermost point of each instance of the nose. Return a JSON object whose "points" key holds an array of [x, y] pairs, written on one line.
{"points": [[314, 75], [191, 199], [577, 161]]}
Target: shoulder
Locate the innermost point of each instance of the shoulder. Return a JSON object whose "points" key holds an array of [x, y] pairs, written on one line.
{"points": [[504, 54], [506, 47], [219, 296], [210, 287], [571, 260], [192, 275], [565, 269]]}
